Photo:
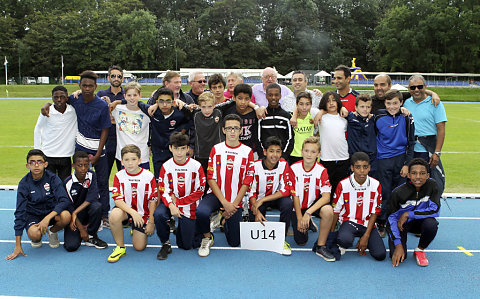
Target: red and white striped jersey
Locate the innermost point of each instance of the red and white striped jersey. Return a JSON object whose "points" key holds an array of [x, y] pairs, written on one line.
{"points": [[355, 202], [309, 185], [136, 190], [186, 182], [269, 181], [231, 167]]}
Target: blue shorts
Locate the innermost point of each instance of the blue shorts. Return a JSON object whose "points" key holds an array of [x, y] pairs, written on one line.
{"points": [[34, 219]]}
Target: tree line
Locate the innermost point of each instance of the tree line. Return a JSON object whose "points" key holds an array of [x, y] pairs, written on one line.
{"points": [[384, 35]]}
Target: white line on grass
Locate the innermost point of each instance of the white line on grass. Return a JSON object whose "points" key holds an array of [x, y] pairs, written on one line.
{"points": [[293, 249], [474, 120]]}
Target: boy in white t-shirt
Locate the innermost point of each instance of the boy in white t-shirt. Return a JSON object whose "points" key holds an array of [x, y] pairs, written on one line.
{"points": [[55, 134], [132, 124]]}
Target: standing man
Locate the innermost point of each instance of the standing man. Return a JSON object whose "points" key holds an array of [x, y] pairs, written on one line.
{"points": [[114, 92], [269, 76], [429, 127], [173, 81], [197, 81], [299, 84], [383, 83], [342, 78]]}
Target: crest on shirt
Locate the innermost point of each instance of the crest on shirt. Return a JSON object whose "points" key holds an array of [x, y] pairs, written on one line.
{"points": [[173, 122], [269, 183], [134, 191], [47, 187], [306, 186], [359, 200], [181, 182], [229, 164], [73, 192], [86, 184], [217, 119]]}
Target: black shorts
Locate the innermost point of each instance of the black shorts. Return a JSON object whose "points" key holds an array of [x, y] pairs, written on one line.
{"points": [[130, 220], [34, 219]]}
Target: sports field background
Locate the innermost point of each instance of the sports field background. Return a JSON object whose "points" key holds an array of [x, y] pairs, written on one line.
{"points": [[461, 151]]}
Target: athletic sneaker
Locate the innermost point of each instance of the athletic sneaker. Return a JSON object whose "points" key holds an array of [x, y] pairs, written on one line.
{"points": [[95, 241], [421, 257], [164, 251], [117, 253], [323, 252], [381, 230], [52, 239], [313, 227], [215, 221], [36, 244], [204, 249], [287, 250], [105, 223]]}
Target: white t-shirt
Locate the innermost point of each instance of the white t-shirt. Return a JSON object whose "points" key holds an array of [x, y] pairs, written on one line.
{"points": [[55, 135], [132, 128], [332, 138]]}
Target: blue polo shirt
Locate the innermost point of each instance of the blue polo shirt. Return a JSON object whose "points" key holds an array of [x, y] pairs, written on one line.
{"points": [[92, 118], [426, 117]]}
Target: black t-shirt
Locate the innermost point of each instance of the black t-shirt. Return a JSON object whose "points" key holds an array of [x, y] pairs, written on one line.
{"points": [[249, 134]]}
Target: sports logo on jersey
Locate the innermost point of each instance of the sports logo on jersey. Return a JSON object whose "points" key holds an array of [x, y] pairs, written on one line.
{"points": [[359, 200], [134, 191], [47, 187], [230, 164], [306, 186], [217, 119], [173, 122], [269, 183], [86, 184], [160, 179], [73, 192], [181, 181]]}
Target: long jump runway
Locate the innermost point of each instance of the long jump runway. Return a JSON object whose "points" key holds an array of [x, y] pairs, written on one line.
{"points": [[231, 272]]}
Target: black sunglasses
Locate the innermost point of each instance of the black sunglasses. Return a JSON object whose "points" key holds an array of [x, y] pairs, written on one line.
{"points": [[113, 76], [413, 87]]}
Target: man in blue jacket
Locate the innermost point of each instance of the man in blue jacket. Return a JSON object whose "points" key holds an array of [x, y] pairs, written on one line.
{"points": [[42, 204], [413, 207]]}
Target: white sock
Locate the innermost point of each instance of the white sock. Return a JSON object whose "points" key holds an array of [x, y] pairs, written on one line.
{"points": [[418, 249]]}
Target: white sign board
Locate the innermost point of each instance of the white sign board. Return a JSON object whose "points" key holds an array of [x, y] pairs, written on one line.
{"points": [[255, 236]]}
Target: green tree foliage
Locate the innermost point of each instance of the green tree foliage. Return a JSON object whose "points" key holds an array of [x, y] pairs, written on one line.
{"points": [[427, 36]]}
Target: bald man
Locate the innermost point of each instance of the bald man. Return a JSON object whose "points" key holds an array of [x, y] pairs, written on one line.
{"points": [[269, 76]]}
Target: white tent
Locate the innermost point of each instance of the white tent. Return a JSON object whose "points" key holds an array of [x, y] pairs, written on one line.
{"points": [[322, 74], [399, 87]]}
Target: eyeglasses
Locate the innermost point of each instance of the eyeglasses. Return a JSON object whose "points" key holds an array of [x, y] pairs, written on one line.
{"points": [[162, 102], [113, 76], [413, 87], [201, 81], [232, 129], [36, 163]]}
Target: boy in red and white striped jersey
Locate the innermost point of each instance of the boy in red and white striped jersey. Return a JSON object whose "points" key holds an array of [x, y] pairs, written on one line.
{"points": [[135, 196], [311, 195], [357, 203], [181, 184], [229, 175], [271, 186]]}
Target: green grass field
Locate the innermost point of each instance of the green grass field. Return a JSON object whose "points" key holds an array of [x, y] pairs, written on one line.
{"points": [[461, 152], [34, 91]]}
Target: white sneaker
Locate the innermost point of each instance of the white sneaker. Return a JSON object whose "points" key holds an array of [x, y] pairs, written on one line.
{"points": [[215, 221], [52, 239], [342, 250], [287, 250], [204, 249], [36, 244]]}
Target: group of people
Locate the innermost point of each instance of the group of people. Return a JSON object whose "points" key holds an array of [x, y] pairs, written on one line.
{"points": [[359, 163]]}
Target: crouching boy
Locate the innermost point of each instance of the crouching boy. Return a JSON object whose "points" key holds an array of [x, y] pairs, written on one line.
{"points": [[181, 184], [86, 207], [41, 205], [357, 204], [135, 196]]}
